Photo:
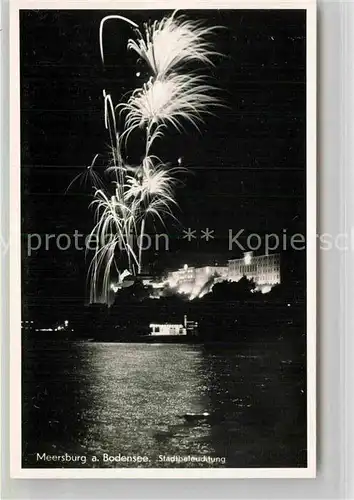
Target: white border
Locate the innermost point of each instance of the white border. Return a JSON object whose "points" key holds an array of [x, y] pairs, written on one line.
{"points": [[16, 471]]}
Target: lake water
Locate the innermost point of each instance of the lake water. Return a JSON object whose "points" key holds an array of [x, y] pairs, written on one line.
{"points": [[94, 398]]}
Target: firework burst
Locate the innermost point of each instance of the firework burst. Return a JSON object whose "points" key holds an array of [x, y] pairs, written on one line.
{"points": [[151, 180], [168, 44], [169, 101]]}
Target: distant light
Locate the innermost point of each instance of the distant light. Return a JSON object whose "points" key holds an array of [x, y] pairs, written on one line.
{"points": [[66, 322], [138, 74], [289, 305]]}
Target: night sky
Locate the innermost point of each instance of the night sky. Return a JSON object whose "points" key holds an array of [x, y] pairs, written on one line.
{"points": [[247, 166]]}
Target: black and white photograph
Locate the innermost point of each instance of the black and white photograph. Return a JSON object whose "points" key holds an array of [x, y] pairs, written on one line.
{"points": [[167, 218]]}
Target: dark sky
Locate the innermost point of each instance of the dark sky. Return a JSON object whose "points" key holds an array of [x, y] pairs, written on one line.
{"points": [[246, 166]]}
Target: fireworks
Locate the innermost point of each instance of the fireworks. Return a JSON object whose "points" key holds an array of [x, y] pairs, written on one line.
{"points": [[168, 44], [127, 196], [169, 101], [88, 176], [103, 21]]}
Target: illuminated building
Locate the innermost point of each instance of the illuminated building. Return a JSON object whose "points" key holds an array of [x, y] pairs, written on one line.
{"points": [[184, 275], [263, 269], [194, 280], [205, 273], [197, 281], [196, 274]]}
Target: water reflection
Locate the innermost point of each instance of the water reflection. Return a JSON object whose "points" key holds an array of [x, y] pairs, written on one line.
{"points": [[149, 399], [55, 381], [140, 394], [259, 405]]}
